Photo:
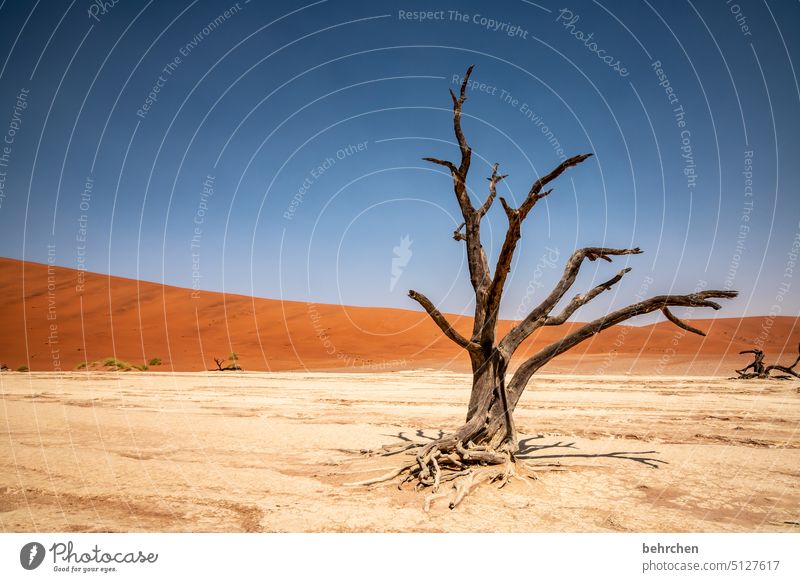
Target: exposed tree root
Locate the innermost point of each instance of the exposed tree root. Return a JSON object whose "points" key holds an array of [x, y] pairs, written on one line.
{"points": [[449, 469], [388, 476]]}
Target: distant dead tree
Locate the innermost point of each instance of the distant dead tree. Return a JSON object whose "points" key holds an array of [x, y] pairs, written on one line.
{"points": [[763, 372], [483, 447], [233, 366], [757, 364]]}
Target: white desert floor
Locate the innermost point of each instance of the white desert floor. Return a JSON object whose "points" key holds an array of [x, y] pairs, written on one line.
{"points": [[274, 452]]}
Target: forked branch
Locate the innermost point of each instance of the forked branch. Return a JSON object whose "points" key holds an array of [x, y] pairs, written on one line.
{"points": [[535, 194], [580, 300], [466, 151], [476, 258], [661, 302], [516, 216], [538, 316], [459, 172], [494, 180]]}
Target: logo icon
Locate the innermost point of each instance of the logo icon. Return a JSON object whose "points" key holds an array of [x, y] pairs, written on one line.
{"points": [[402, 255], [31, 555]]}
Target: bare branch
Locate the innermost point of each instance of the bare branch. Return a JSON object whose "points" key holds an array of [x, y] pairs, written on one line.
{"points": [[513, 234], [494, 180], [476, 258], [508, 209], [527, 369], [457, 235], [442, 322], [447, 164], [535, 194], [682, 324], [580, 300], [536, 318], [466, 151]]}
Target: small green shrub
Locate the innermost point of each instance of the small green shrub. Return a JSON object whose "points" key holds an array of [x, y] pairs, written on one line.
{"points": [[116, 363], [155, 362], [22, 368]]}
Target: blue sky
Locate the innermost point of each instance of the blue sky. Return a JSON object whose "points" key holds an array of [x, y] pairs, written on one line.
{"points": [[281, 154]]}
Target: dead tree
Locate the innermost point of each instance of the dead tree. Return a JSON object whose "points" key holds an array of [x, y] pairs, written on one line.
{"points": [[763, 372], [232, 367], [484, 446], [757, 365]]}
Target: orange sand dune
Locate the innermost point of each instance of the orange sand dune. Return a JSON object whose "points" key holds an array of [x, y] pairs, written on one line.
{"points": [[49, 323]]}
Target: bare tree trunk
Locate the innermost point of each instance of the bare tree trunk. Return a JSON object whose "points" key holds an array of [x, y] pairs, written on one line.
{"points": [[489, 416]]}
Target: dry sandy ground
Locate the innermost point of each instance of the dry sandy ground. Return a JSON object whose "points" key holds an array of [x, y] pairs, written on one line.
{"points": [[273, 451]]}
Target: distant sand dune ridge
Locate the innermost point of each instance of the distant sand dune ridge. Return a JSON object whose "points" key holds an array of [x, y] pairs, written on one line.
{"points": [[50, 323]]}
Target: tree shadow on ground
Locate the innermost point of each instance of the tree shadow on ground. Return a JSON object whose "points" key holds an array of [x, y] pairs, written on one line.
{"points": [[419, 433], [526, 447]]}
